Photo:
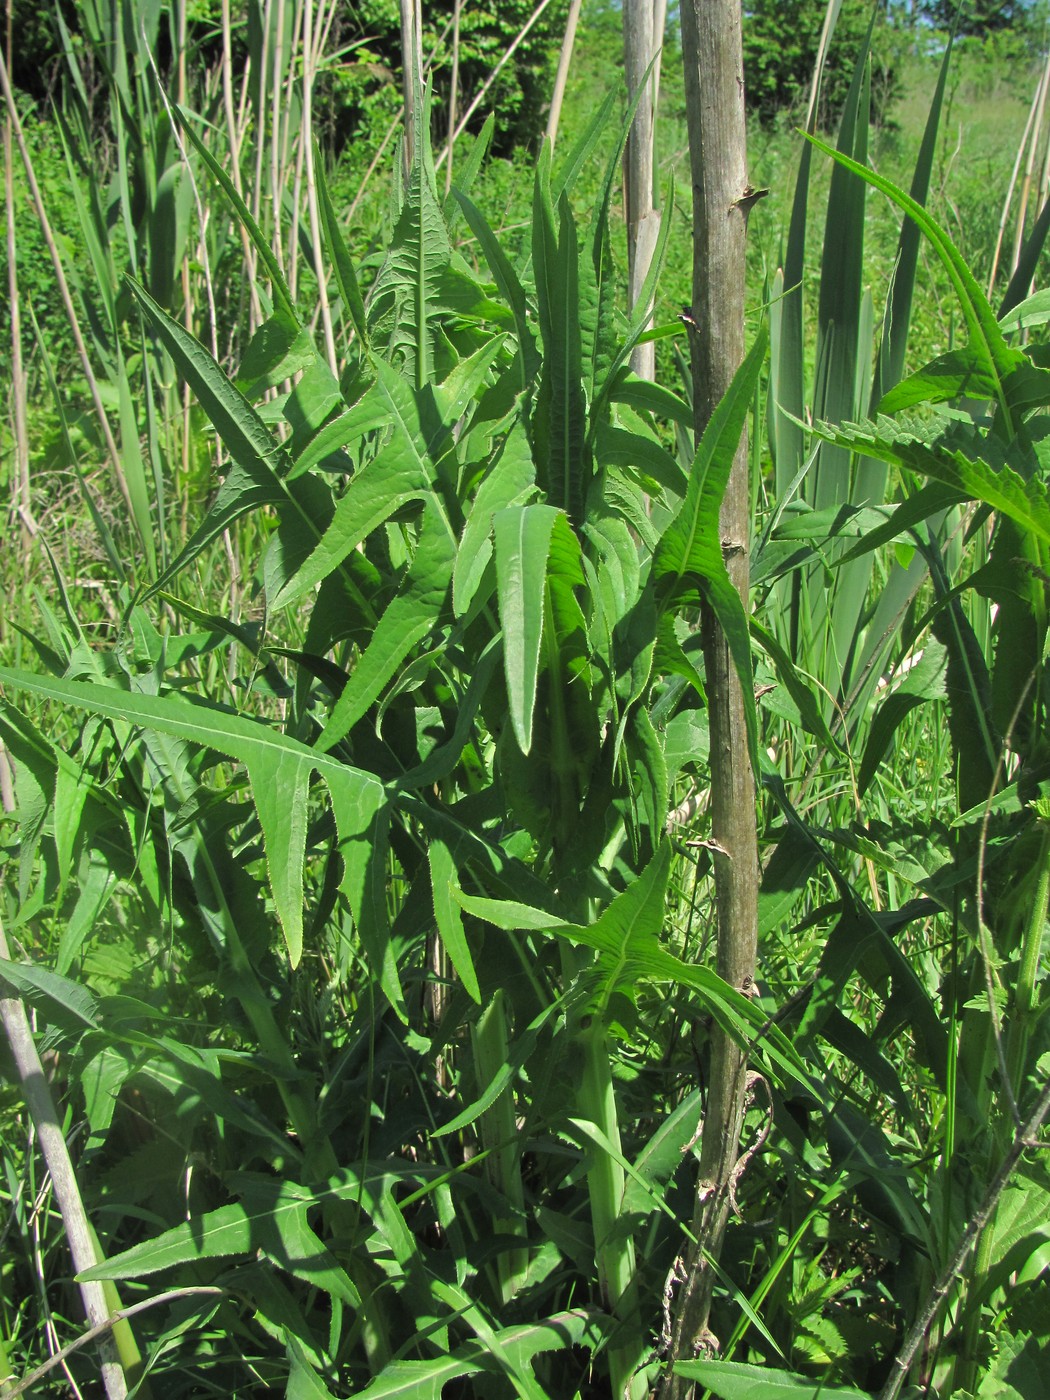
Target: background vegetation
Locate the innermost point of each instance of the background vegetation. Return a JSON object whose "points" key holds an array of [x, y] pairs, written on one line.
{"points": [[356, 843]]}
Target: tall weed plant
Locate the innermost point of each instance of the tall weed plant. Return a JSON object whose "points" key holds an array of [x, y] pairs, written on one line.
{"points": [[363, 919]]}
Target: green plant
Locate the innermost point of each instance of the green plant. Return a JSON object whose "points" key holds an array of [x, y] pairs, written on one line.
{"points": [[781, 42], [480, 687]]}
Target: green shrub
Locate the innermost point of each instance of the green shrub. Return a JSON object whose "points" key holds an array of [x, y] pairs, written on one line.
{"points": [[780, 46]]}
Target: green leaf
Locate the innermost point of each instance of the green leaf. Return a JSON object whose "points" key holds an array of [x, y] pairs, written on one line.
{"points": [[559, 413], [508, 283], [794, 682], [957, 374], [690, 549], [954, 459], [282, 297], [509, 480], [425, 1380], [303, 1381], [733, 1380], [345, 276], [359, 800], [626, 936], [272, 1218], [410, 617], [924, 681], [444, 884], [522, 541], [59, 999], [985, 336]]}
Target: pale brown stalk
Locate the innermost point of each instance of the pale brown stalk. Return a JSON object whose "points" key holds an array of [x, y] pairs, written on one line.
{"points": [[20, 475], [310, 58], [711, 40], [453, 92], [640, 44], [561, 77], [47, 1125]]}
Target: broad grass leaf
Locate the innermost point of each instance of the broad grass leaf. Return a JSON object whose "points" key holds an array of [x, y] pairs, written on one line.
{"points": [[133, 466], [522, 542], [425, 1380], [510, 478], [411, 616], [688, 558], [734, 1380], [985, 336], [897, 323], [359, 800], [342, 264], [271, 1218], [282, 297], [60, 1000], [444, 882]]}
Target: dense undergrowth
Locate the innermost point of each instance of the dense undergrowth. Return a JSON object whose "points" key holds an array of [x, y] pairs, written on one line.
{"points": [[357, 869]]}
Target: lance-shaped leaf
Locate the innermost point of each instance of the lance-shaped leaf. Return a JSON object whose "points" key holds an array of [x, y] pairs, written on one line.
{"points": [[509, 479], [278, 769], [272, 1218], [261, 465], [411, 616], [985, 336], [733, 1380], [404, 469], [688, 562], [345, 276], [626, 936], [425, 1380], [559, 415], [522, 538], [282, 296], [449, 916]]}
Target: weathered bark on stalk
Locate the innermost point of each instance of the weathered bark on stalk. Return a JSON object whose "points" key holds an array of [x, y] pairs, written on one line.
{"points": [[714, 85], [561, 78], [411, 74], [643, 22]]}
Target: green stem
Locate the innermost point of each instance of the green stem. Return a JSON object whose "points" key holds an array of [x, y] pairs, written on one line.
{"points": [[613, 1244], [1027, 974], [499, 1134]]}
